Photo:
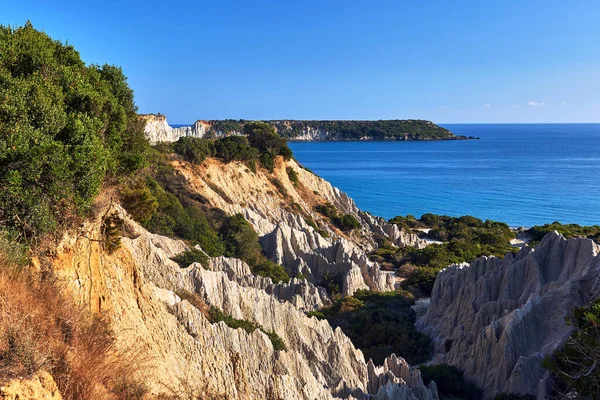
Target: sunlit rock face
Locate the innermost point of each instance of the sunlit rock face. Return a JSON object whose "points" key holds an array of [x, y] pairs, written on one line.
{"points": [[141, 291], [497, 319]]}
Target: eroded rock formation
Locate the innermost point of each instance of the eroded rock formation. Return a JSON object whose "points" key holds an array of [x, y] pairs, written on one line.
{"points": [[280, 210], [140, 289], [497, 319]]}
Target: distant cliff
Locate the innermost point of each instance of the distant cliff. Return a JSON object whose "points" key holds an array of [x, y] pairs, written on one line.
{"points": [[158, 130]]}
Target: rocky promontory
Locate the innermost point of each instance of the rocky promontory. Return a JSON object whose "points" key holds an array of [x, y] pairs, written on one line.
{"points": [[158, 130], [497, 319]]}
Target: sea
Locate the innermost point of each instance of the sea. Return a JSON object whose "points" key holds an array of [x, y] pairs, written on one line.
{"points": [[521, 174]]}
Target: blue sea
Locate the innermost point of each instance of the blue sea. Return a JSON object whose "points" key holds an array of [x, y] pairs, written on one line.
{"points": [[521, 174]]}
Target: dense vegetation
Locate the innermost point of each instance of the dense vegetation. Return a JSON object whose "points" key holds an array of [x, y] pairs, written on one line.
{"points": [[450, 382], [64, 129], [576, 366], [345, 222], [567, 230], [464, 239], [163, 204], [379, 324], [348, 130]]}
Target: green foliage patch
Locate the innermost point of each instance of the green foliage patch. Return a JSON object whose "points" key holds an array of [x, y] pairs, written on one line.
{"points": [[379, 324], [345, 222], [567, 230], [191, 256], [64, 128], [576, 366], [464, 240], [347, 130], [216, 315]]}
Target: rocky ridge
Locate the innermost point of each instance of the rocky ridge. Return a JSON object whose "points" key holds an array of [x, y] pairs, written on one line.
{"points": [[137, 288], [497, 319], [158, 130], [279, 211]]}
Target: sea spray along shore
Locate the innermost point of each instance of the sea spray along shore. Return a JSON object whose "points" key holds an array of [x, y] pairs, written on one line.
{"points": [[220, 267]]}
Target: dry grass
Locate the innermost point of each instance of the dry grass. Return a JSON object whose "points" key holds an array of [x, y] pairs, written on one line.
{"points": [[41, 329]]}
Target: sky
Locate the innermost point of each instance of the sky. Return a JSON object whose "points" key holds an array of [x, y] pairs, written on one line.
{"points": [[446, 61]]}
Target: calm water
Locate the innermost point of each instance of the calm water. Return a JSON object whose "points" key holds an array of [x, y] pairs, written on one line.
{"points": [[522, 174]]}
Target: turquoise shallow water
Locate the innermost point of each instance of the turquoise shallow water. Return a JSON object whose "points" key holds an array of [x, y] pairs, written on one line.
{"points": [[522, 174]]}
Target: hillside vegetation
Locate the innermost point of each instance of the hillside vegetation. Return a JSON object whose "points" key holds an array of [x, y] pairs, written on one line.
{"points": [[463, 239], [348, 130]]}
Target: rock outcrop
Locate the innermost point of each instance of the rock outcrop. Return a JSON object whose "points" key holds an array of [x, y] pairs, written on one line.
{"points": [[158, 130], [40, 386], [280, 210], [497, 319], [142, 292]]}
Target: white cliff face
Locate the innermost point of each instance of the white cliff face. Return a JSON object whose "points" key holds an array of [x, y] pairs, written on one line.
{"points": [[497, 319], [137, 288], [158, 130]]}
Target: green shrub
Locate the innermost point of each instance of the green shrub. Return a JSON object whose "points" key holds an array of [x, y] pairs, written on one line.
{"points": [[450, 382], [379, 324], [422, 279], [269, 269], [194, 150], [276, 340], [216, 315], [64, 128], [241, 241], [139, 201], [191, 256], [567, 230], [235, 148], [316, 314], [333, 283], [292, 175], [328, 210], [262, 136], [575, 366], [280, 188], [348, 222]]}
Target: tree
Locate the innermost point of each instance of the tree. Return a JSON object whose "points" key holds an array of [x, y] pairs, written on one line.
{"points": [[64, 128], [194, 150], [576, 365]]}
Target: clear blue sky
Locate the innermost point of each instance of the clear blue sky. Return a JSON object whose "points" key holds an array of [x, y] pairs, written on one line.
{"points": [[446, 61]]}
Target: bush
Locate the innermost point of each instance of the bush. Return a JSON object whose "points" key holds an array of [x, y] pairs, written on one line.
{"points": [[216, 315], [139, 201], [450, 382], [194, 150], [241, 241], [262, 136], [567, 230], [379, 324], [328, 210], [292, 175], [422, 280], [64, 127], [575, 366], [269, 269], [191, 256], [348, 222], [280, 188], [235, 148]]}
